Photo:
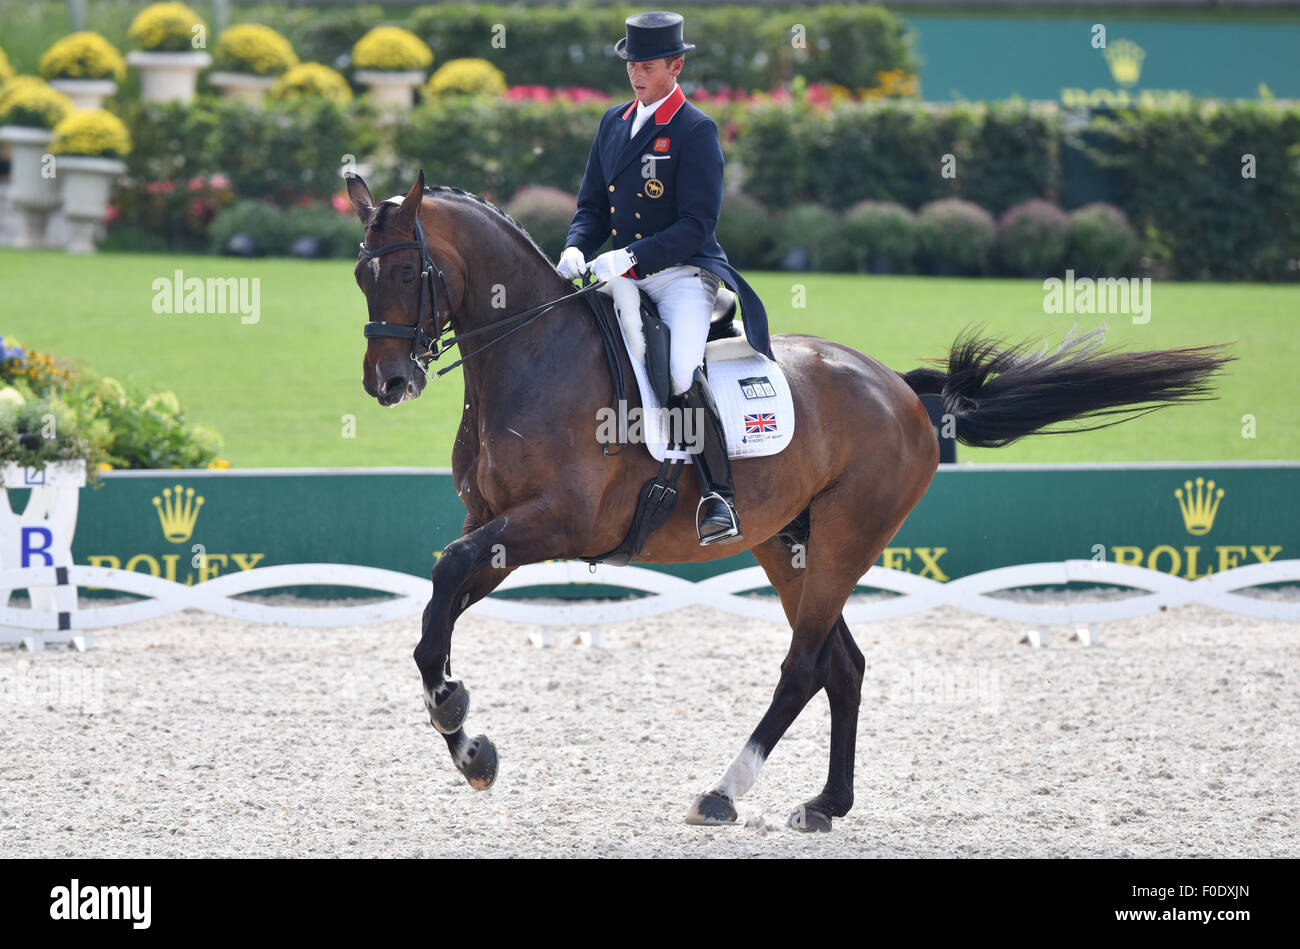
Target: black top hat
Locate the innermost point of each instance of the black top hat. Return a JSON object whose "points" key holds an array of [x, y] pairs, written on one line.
{"points": [[655, 35]]}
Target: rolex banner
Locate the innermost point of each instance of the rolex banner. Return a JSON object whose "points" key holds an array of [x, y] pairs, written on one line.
{"points": [[1189, 521]]}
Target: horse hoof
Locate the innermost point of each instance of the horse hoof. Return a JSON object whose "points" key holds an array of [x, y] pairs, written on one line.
{"points": [[809, 820], [449, 714], [712, 808], [480, 768]]}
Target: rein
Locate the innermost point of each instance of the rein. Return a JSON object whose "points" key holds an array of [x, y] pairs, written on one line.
{"points": [[426, 348]]}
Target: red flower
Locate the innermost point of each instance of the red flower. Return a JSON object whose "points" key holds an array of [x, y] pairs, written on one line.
{"points": [[220, 182], [342, 203]]}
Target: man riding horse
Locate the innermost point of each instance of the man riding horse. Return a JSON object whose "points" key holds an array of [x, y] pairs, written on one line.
{"points": [[654, 184]]}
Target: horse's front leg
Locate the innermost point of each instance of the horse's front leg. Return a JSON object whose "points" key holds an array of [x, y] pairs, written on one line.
{"points": [[469, 569]]}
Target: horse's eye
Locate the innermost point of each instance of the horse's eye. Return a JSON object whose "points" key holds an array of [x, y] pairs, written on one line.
{"points": [[408, 274]]}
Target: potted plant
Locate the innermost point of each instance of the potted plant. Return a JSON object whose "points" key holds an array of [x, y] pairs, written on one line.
{"points": [[308, 80], [89, 146], [85, 67], [248, 60], [171, 38], [391, 62], [465, 77], [29, 110]]}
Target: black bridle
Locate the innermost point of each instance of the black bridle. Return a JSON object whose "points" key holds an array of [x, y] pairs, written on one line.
{"points": [[426, 348], [423, 346]]}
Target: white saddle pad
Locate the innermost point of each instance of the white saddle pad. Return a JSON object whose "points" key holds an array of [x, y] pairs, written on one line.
{"points": [[753, 396]]}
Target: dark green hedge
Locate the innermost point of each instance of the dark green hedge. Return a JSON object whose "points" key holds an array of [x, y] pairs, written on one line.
{"points": [[283, 153], [1176, 173], [1001, 155], [744, 47], [495, 147]]}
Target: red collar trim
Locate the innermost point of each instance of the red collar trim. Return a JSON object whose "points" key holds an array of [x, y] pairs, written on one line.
{"points": [[664, 114]]}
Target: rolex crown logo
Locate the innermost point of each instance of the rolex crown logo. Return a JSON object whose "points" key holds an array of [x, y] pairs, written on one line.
{"points": [[1199, 505], [1124, 57], [178, 509]]}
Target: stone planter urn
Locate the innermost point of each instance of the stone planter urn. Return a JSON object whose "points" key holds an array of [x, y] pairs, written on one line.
{"points": [[87, 185], [168, 77], [391, 90], [85, 93], [241, 86], [32, 191]]}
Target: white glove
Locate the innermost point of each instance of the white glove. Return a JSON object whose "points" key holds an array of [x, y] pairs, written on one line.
{"points": [[572, 264], [612, 264]]}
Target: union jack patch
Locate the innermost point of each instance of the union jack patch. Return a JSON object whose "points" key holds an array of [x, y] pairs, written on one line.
{"points": [[661, 145], [760, 422]]}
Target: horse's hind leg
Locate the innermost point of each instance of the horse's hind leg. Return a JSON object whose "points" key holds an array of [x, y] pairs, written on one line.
{"points": [[783, 566], [822, 655], [844, 689]]}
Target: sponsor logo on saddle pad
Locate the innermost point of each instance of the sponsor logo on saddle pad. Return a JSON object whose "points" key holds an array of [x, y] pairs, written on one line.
{"points": [[756, 387]]}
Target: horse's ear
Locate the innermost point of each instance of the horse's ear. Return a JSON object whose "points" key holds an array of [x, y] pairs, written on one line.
{"points": [[361, 200], [411, 205]]}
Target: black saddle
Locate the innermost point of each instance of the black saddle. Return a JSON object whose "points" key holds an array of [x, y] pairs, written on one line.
{"points": [[722, 325]]}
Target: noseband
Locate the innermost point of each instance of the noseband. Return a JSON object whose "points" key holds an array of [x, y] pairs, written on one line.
{"points": [[424, 347]]}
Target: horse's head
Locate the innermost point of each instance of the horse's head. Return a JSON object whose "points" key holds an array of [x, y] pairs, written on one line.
{"points": [[405, 293]]}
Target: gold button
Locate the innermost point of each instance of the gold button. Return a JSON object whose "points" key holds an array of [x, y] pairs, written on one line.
{"points": [[638, 194], [611, 187], [615, 233], [638, 215], [611, 209], [638, 236]]}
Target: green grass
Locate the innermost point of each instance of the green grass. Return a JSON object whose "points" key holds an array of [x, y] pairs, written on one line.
{"points": [[277, 391]]}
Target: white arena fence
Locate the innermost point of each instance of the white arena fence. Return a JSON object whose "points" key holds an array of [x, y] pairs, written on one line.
{"points": [[726, 592]]}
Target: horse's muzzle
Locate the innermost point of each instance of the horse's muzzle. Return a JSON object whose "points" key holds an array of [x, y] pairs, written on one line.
{"points": [[397, 389]]}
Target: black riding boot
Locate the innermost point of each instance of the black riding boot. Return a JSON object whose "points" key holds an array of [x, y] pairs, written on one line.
{"points": [[715, 519]]}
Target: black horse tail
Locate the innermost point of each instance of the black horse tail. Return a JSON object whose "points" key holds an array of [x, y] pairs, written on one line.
{"points": [[998, 393]]}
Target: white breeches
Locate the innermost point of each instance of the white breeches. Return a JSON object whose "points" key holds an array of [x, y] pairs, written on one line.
{"points": [[685, 298]]}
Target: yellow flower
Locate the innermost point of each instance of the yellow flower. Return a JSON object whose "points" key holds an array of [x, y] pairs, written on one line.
{"points": [[219, 463], [249, 47], [392, 48], [166, 27], [83, 55], [6, 69], [27, 100], [93, 132], [312, 79], [466, 76]]}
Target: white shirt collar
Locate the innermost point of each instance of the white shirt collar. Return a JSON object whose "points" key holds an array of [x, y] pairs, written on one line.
{"points": [[643, 110]]}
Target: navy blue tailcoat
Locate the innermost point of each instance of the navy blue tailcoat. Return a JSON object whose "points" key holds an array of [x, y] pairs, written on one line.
{"points": [[659, 193]]}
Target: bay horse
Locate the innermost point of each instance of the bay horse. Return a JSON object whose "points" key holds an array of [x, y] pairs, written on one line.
{"points": [[537, 486]]}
